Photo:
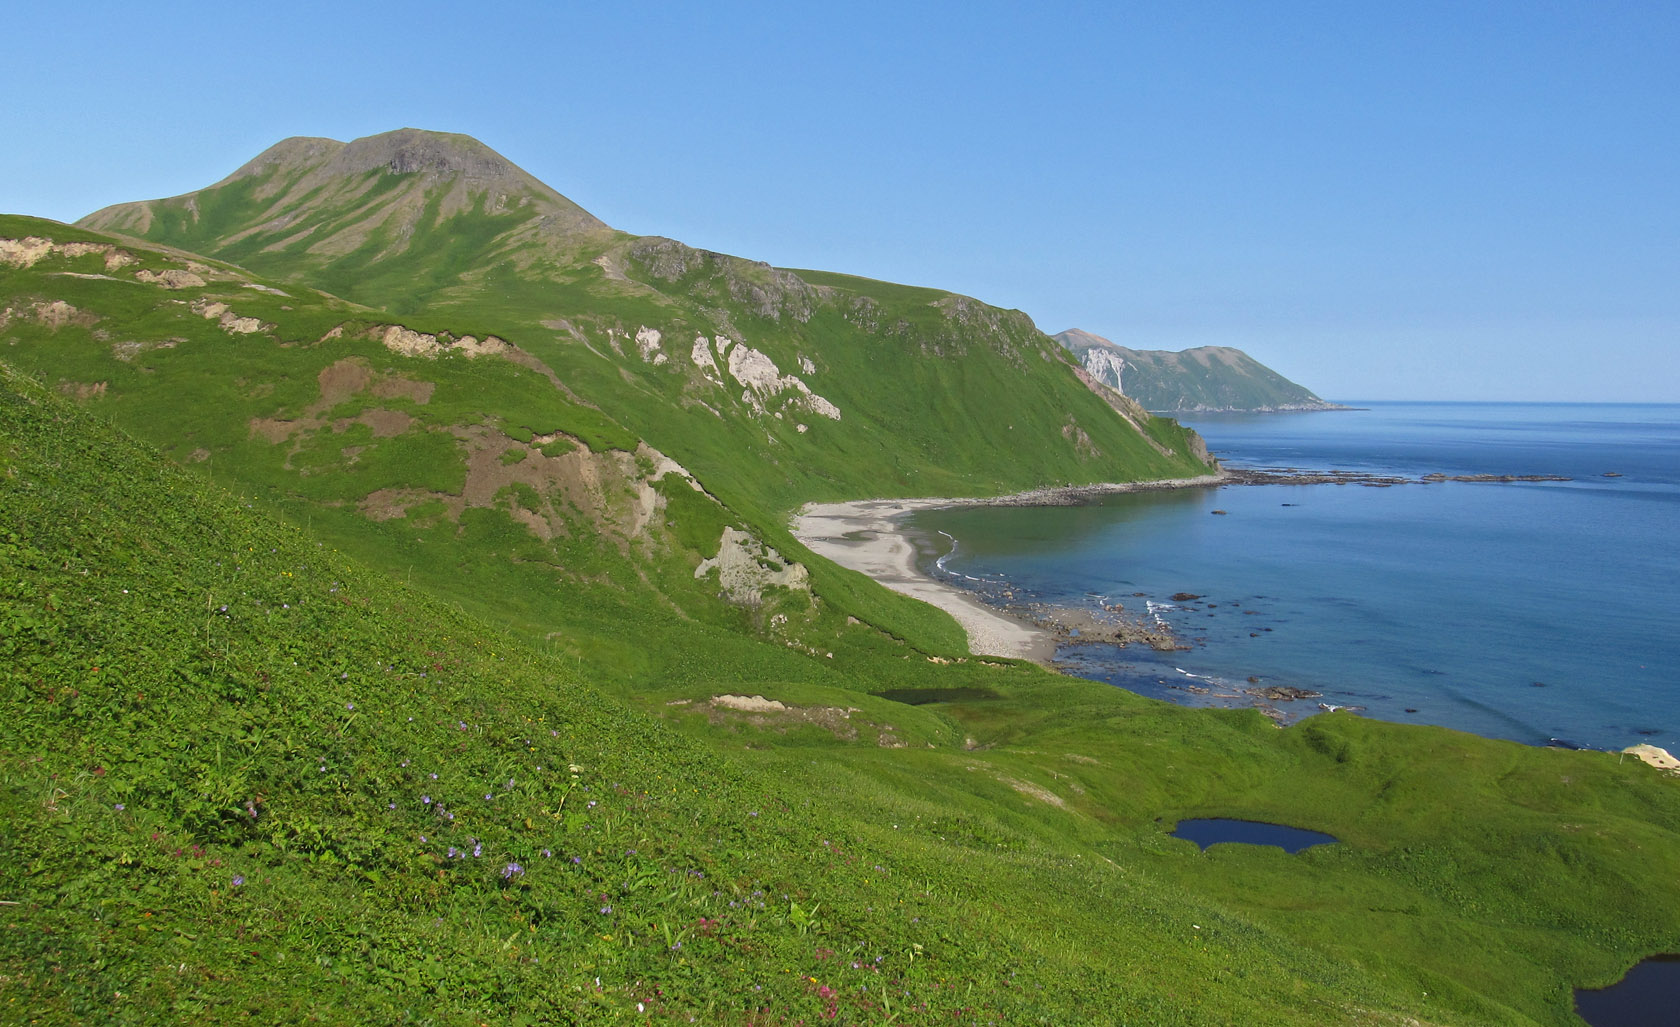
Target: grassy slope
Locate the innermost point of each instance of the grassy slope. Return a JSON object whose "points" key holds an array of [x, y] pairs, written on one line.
{"points": [[599, 597], [905, 369], [1550, 856], [1480, 872]]}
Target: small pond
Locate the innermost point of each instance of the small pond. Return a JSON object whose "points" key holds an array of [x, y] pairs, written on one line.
{"points": [[1211, 831], [1647, 997]]}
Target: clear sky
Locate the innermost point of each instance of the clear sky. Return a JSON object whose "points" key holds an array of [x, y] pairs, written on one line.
{"points": [[1456, 200]]}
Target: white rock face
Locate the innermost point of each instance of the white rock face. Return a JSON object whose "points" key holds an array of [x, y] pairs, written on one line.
{"points": [[763, 379], [170, 279], [806, 365], [821, 407], [647, 342], [757, 371], [25, 252], [230, 322], [746, 567], [1106, 367], [702, 357], [410, 343], [749, 703], [471, 347]]}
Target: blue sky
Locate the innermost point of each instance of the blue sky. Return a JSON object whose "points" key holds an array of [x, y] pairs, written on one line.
{"points": [[1419, 201]]}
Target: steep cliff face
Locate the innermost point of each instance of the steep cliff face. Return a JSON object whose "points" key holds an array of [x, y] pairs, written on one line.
{"points": [[1205, 379]]}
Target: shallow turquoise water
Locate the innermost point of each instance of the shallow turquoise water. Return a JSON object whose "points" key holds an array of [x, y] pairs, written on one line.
{"points": [[1530, 611]]}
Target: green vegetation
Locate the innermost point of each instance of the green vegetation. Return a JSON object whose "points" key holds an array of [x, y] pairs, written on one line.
{"points": [[1204, 378], [237, 644], [175, 660]]}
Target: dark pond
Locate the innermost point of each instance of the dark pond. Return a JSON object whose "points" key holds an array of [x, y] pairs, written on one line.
{"points": [[1210, 831], [1649, 996]]}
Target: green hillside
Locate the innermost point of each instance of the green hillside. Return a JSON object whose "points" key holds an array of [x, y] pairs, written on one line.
{"points": [[383, 430], [834, 387], [220, 800]]}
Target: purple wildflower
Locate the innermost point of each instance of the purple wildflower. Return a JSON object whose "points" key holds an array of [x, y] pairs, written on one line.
{"points": [[511, 871], [238, 880], [605, 910], [120, 807], [478, 848], [427, 799]]}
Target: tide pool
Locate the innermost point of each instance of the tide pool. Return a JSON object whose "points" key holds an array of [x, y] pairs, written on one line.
{"points": [[1529, 611]]}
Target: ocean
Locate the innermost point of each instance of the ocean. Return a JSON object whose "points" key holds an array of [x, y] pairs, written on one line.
{"points": [[1543, 612]]}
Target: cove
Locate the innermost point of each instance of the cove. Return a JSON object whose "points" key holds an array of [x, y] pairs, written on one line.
{"points": [[1213, 830], [1647, 997]]}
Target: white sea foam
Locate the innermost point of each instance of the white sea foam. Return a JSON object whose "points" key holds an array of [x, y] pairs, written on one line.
{"points": [[940, 563]]}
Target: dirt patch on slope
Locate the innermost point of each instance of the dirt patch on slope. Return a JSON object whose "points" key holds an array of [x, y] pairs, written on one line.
{"points": [[340, 382], [386, 424], [56, 314], [342, 379], [774, 715], [404, 388], [389, 504]]}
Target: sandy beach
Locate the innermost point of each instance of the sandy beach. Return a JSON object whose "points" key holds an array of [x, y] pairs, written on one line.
{"points": [[865, 536]]}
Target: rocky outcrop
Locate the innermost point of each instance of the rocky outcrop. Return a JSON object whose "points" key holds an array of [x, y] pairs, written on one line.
{"points": [[763, 380], [746, 567], [172, 278], [26, 252], [410, 343], [230, 322]]}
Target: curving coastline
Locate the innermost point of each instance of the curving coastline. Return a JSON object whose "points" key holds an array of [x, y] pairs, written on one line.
{"points": [[866, 536]]}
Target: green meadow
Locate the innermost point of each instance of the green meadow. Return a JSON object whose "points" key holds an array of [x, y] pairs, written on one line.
{"points": [[348, 685]]}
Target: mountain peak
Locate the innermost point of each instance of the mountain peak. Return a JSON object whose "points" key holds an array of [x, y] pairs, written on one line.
{"points": [[310, 201], [406, 151], [1078, 339], [402, 152]]}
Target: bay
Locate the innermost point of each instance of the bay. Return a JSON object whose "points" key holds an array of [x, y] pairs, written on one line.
{"points": [[1531, 611]]}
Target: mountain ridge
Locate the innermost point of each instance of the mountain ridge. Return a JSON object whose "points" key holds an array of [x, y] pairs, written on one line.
{"points": [[1204, 379], [620, 318]]}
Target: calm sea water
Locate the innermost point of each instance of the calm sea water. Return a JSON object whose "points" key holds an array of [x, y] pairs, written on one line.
{"points": [[1529, 611]]}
